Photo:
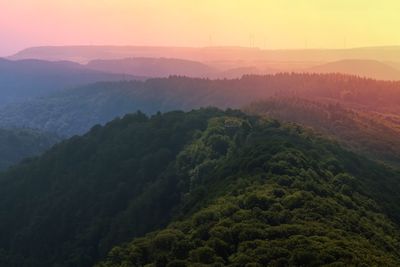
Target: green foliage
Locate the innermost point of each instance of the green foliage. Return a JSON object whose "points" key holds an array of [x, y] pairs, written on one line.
{"points": [[374, 134], [71, 205], [270, 202], [222, 188]]}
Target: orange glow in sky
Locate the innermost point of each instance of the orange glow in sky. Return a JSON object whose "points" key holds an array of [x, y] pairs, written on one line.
{"points": [[263, 23]]}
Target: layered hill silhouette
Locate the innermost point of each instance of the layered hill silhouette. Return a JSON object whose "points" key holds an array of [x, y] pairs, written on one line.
{"points": [[223, 62], [222, 188], [85, 54], [164, 67], [26, 79]]}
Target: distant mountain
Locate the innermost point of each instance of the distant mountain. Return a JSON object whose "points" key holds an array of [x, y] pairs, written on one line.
{"points": [[74, 111], [164, 67], [25, 79], [153, 67], [17, 144], [364, 68], [84, 54], [218, 188]]}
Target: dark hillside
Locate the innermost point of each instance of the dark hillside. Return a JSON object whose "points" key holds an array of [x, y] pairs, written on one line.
{"points": [[227, 184]]}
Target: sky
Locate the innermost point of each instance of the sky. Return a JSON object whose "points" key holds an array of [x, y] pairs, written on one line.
{"points": [[270, 24]]}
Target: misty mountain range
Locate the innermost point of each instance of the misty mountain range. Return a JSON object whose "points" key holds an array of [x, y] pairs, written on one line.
{"points": [[154, 159], [221, 62], [63, 98], [207, 54]]}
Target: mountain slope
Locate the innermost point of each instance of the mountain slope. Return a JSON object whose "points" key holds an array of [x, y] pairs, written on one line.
{"points": [[230, 183], [372, 134], [17, 144], [75, 111], [25, 79], [364, 68], [64, 207]]}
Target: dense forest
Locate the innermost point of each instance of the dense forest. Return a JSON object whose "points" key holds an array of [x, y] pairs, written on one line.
{"points": [[74, 111], [17, 144], [373, 134], [203, 188]]}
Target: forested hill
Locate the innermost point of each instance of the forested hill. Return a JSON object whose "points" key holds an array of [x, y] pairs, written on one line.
{"points": [[373, 134], [227, 189], [17, 144], [75, 111]]}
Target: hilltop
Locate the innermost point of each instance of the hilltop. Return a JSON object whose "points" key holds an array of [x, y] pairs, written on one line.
{"points": [[221, 186]]}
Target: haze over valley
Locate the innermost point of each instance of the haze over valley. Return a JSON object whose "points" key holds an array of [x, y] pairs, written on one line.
{"points": [[199, 133]]}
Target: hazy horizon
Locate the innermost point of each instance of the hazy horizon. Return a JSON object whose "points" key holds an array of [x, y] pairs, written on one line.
{"points": [[264, 24]]}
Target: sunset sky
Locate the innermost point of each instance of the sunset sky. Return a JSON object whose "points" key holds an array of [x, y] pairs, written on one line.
{"points": [[269, 23]]}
